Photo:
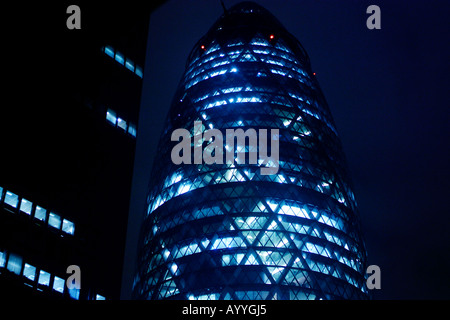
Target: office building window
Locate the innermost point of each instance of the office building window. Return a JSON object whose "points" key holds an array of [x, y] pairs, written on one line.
{"points": [[109, 51], [44, 278], [139, 72], [58, 284], [25, 206], [129, 65], [54, 220], [2, 259], [120, 58], [74, 293], [29, 271], [132, 129], [11, 199], [111, 116], [40, 213], [115, 120], [68, 227], [122, 124], [14, 263]]}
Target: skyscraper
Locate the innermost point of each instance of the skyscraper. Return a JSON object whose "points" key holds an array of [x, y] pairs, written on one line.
{"points": [[226, 230], [67, 153]]}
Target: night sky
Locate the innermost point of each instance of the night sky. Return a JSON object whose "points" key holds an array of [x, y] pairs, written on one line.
{"points": [[388, 93]]}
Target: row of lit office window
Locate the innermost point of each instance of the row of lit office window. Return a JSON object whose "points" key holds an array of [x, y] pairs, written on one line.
{"points": [[257, 96], [36, 277], [14, 201], [124, 61], [275, 261], [299, 73], [173, 189], [275, 239], [116, 121], [266, 55], [259, 45]]}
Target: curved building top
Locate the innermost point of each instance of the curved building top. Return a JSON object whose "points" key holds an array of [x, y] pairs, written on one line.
{"points": [[245, 19]]}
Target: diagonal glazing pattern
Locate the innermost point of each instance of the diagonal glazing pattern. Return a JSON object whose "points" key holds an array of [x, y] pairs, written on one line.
{"points": [[225, 231]]}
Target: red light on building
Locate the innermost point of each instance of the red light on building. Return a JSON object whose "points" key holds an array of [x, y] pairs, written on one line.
{"points": [[202, 47], [271, 37]]}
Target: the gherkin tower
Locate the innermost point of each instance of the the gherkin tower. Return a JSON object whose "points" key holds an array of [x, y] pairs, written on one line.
{"points": [[227, 231]]}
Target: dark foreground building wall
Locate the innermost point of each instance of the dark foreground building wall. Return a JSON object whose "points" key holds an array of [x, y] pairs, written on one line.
{"points": [[68, 146], [226, 231]]}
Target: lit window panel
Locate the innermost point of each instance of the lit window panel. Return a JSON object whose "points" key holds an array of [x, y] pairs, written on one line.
{"points": [[11, 199], [29, 272], [25, 206], [44, 278], [68, 227], [119, 57], [40, 213], [111, 116], [58, 284], [54, 220]]}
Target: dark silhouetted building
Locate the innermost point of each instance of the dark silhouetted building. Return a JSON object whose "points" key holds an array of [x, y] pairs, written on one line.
{"points": [[68, 148], [227, 231]]}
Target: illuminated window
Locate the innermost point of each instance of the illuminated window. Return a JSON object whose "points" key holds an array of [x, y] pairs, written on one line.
{"points": [[111, 116], [40, 213], [58, 284], [25, 206], [120, 58], [44, 278], [278, 72], [1, 193], [228, 242], [109, 51], [122, 123], [54, 220], [138, 72], [184, 188], [129, 65], [232, 259], [14, 263], [259, 42], [74, 293], [29, 272], [11, 199], [2, 259], [235, 43], [99, 297], [261, 51], [220, 63], [68, 227], [209, 296], [132, 129]]}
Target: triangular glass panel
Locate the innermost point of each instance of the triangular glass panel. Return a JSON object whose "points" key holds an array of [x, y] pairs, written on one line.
{"points": [[251, 259]]}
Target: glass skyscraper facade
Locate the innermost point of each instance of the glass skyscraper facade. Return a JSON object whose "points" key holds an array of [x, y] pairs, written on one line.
{"points": [[227, 231]]}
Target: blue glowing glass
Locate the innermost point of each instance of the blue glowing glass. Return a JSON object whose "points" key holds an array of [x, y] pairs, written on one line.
{"points": [[120, 58], [109, 51]]}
